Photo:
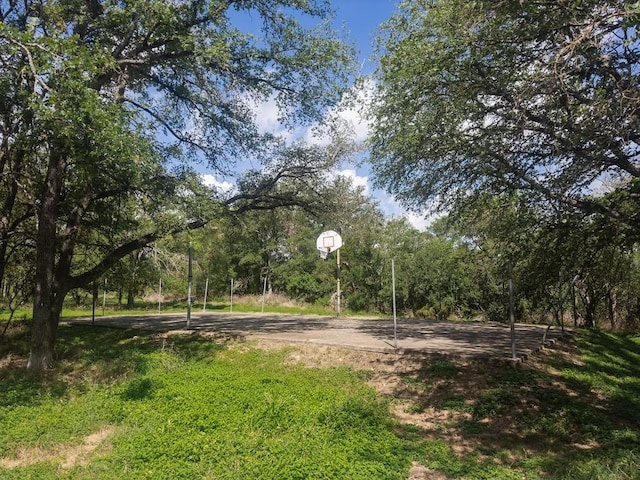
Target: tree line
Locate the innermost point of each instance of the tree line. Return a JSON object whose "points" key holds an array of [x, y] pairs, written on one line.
{"points": [[565, 273]]}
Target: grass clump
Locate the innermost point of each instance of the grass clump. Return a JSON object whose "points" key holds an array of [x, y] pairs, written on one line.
{"points": [[187, 407], [128, 404]]}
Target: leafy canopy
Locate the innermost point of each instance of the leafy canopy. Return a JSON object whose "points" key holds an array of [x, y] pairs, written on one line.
{"points": [[494, 96]]}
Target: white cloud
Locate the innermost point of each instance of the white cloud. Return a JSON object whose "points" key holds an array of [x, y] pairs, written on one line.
{"points": [[356, 180], [267, 120], [419, 222], [392, 208], [348, 112], [266, 114], [222, 187]]}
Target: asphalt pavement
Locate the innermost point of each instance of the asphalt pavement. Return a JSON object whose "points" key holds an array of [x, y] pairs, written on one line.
{"points": [[458, 339]]}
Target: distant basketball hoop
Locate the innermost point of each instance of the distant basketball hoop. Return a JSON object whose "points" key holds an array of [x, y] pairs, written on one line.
{"points": [[327, 242]]}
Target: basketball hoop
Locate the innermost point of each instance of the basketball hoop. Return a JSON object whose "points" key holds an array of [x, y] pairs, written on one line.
{"points": [[327, 242]]}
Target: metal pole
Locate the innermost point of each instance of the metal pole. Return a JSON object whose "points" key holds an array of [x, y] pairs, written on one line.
{"points": [[206, 288], [264, 291], [231, 297], [393, 292], [94, 298], [512, 318], [160, 295], [338, 280], [189, 279], [104, 296]]}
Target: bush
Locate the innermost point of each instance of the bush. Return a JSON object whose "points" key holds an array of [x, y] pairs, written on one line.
{"points": [[303, 286], [357, 302]]}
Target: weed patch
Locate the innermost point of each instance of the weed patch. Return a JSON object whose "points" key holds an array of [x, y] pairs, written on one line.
{"points": [[572, 413], [188, 407], [128, 404]]}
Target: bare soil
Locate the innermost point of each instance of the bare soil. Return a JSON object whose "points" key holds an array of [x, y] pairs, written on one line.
{"points": [[406, 380], [69, 455]]}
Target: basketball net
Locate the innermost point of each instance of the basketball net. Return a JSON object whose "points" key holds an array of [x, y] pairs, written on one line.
{"points": [[324, 253]]}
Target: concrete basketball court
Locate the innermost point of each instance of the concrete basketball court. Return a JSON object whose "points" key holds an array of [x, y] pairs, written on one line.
{"points": [[459, 339]]}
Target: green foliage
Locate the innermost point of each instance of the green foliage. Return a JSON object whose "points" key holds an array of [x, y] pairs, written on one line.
{"points": [[483, 96], [476, 111], [304, 286], [186, 407]]}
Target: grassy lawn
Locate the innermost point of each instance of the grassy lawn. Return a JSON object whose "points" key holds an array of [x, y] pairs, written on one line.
{"points": [[571, 413], [242, 304], [126, 404], [187, 407]]}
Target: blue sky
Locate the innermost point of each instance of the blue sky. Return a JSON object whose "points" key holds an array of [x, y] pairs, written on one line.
{"points": [[361, 20]]}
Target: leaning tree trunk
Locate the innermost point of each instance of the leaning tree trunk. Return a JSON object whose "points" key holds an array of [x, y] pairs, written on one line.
{"points": [[48, 293]]}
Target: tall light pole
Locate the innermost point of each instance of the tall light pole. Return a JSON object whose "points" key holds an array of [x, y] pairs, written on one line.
{"points": [[104, 297], [189, 280], [231, 296], [512, 316]]}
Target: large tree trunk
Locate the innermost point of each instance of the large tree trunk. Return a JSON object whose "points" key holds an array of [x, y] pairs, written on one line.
{"points": [[48, 292], [46, 316], [131, 299]]}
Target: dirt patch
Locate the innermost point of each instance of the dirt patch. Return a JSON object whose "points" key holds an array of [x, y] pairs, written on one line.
{"points": [[420, 472], [70, 455], [440, 395], [11, 362]]}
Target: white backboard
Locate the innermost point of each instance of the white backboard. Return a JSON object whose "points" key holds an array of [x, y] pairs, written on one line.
{"points": [[329, 241]]}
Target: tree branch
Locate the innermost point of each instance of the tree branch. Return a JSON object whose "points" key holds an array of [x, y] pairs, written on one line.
{"points": [[32, 66], [584, 205], [120, 252]]}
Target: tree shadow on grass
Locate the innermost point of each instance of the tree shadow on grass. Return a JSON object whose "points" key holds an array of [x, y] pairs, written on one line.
{"points": [[572, 415], [87, 356]]}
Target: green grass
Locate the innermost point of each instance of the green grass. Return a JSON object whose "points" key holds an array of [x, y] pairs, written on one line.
{"points": [[188, 407], [250, 304], [576, 417]]}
